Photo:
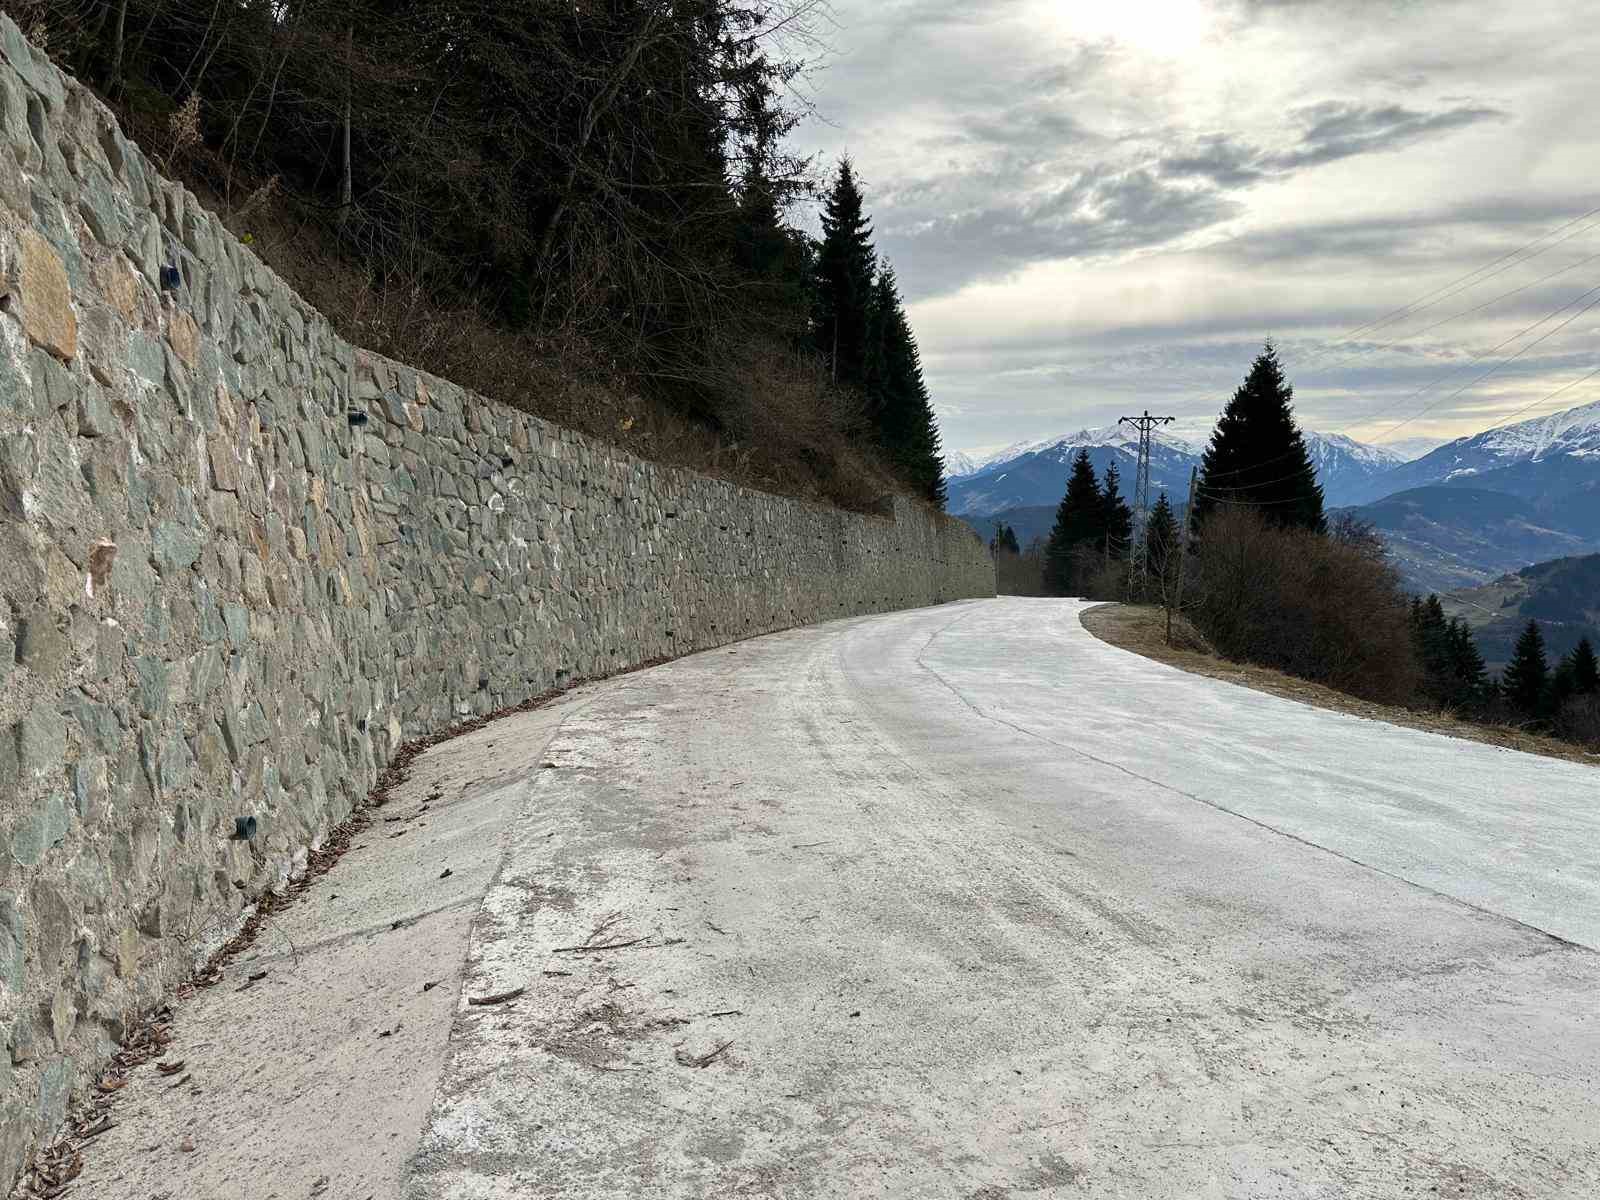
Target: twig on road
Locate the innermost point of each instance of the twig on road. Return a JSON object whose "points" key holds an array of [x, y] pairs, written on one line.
{"points": [[702, 1060], [586, 948], [497, 998]]}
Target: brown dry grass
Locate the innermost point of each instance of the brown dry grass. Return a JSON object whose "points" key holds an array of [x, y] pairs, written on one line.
{"points": [[1142, 629], [782, 429]]}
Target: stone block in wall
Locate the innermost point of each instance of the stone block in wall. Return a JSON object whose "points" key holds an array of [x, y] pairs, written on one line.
{"points": [[37, 292]]}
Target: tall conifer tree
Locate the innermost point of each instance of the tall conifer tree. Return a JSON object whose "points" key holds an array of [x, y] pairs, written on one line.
{"points": [[1472, 689], [1118, 517], [1160, 536], [898, 395], [1257, 456], [1080, 520], [846, 269], [1527, 676], [1585, 669]]}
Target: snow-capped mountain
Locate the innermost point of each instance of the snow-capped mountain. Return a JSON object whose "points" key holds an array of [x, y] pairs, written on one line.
{"points": [[1575, 432], [958, 463], [1035, 473], [1346, 467], [1499, 500], [1032, 473], [1535, 459]]}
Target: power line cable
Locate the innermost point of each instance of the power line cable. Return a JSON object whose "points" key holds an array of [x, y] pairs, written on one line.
{"points": [[1507, 360], [1412, 307], [1467, 312], [1309, 362]]}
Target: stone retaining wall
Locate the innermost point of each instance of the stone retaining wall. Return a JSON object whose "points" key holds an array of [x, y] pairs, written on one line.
{"points": [[241, 561]]}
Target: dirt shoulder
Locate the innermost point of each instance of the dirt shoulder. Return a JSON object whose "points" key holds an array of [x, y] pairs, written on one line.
{"points": [[1141, 629]]}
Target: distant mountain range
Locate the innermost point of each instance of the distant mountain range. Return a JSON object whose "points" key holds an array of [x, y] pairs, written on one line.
{"points": [[1035, 473], [1455, 537], [1031, 522], [1564, 596], [1535, 490]]}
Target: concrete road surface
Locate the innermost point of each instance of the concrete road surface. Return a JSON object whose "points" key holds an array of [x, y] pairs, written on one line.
{"points": [[956, 903], [963, 902]]}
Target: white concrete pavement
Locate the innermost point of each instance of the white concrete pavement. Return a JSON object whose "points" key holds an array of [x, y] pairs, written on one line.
{"points": [[958, 902], [965, 903]]}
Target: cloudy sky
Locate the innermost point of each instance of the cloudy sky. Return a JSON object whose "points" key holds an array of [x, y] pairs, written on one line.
{"points": [[1099, 207]]}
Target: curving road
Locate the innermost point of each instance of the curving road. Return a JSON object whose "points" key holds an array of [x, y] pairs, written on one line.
{"points": [[962, 902]]}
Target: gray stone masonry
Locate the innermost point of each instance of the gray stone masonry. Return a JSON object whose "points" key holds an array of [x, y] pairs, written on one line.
{"points": [[219, 596]]}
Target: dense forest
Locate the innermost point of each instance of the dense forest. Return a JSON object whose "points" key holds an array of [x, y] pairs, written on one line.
{"points": [[588, 209]]}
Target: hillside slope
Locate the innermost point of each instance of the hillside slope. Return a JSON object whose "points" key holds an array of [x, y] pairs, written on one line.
{"points": [[1562, 595]]}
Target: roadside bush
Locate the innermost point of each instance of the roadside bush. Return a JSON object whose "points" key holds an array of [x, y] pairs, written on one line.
{"points": [[1102, 580], [1327, 609], [1579, 721], [1020, 574]]}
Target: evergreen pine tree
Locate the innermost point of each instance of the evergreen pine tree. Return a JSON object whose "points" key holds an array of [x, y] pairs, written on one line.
{"points": [[1562, 686], [897, 394], [1585, 670], [1161, 547], [1471, 689], [1161, 535], [1257, 456], [1118, 517], [1080, 518], [1526, 678], [846, 267], [775, 258], [1438, 667]]}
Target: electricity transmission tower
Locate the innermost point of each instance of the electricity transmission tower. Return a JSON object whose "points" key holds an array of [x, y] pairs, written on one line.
{"points": [[1146, 426]]}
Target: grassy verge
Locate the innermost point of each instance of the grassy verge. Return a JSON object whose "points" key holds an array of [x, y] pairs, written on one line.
{"points": [[1142, 629]]}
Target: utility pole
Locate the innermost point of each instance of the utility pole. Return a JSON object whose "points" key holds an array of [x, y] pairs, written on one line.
{"points": [[1183, 554], [1146, 425]]}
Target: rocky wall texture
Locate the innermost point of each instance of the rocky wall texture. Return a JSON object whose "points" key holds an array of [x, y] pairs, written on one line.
{"points": [[241, 561]]}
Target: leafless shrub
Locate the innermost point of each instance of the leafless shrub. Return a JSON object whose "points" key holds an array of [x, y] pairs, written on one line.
{"points": [[1347, 529], [1020, 574], [1319, 607], [183, 127], [1579, 721], [1104, 579]]}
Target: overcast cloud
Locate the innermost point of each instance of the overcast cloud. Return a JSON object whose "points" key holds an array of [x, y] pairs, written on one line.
{"points": [[1100, 207]]}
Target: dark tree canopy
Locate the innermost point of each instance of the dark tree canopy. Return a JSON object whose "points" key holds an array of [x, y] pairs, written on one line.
{"points": [[1527, 676], [1080, 521], [604, 189], [1453, 673], [1116, 515], [846, 272], [897, 395], [1585, 669], [1257, 457], [1161, 537]]}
